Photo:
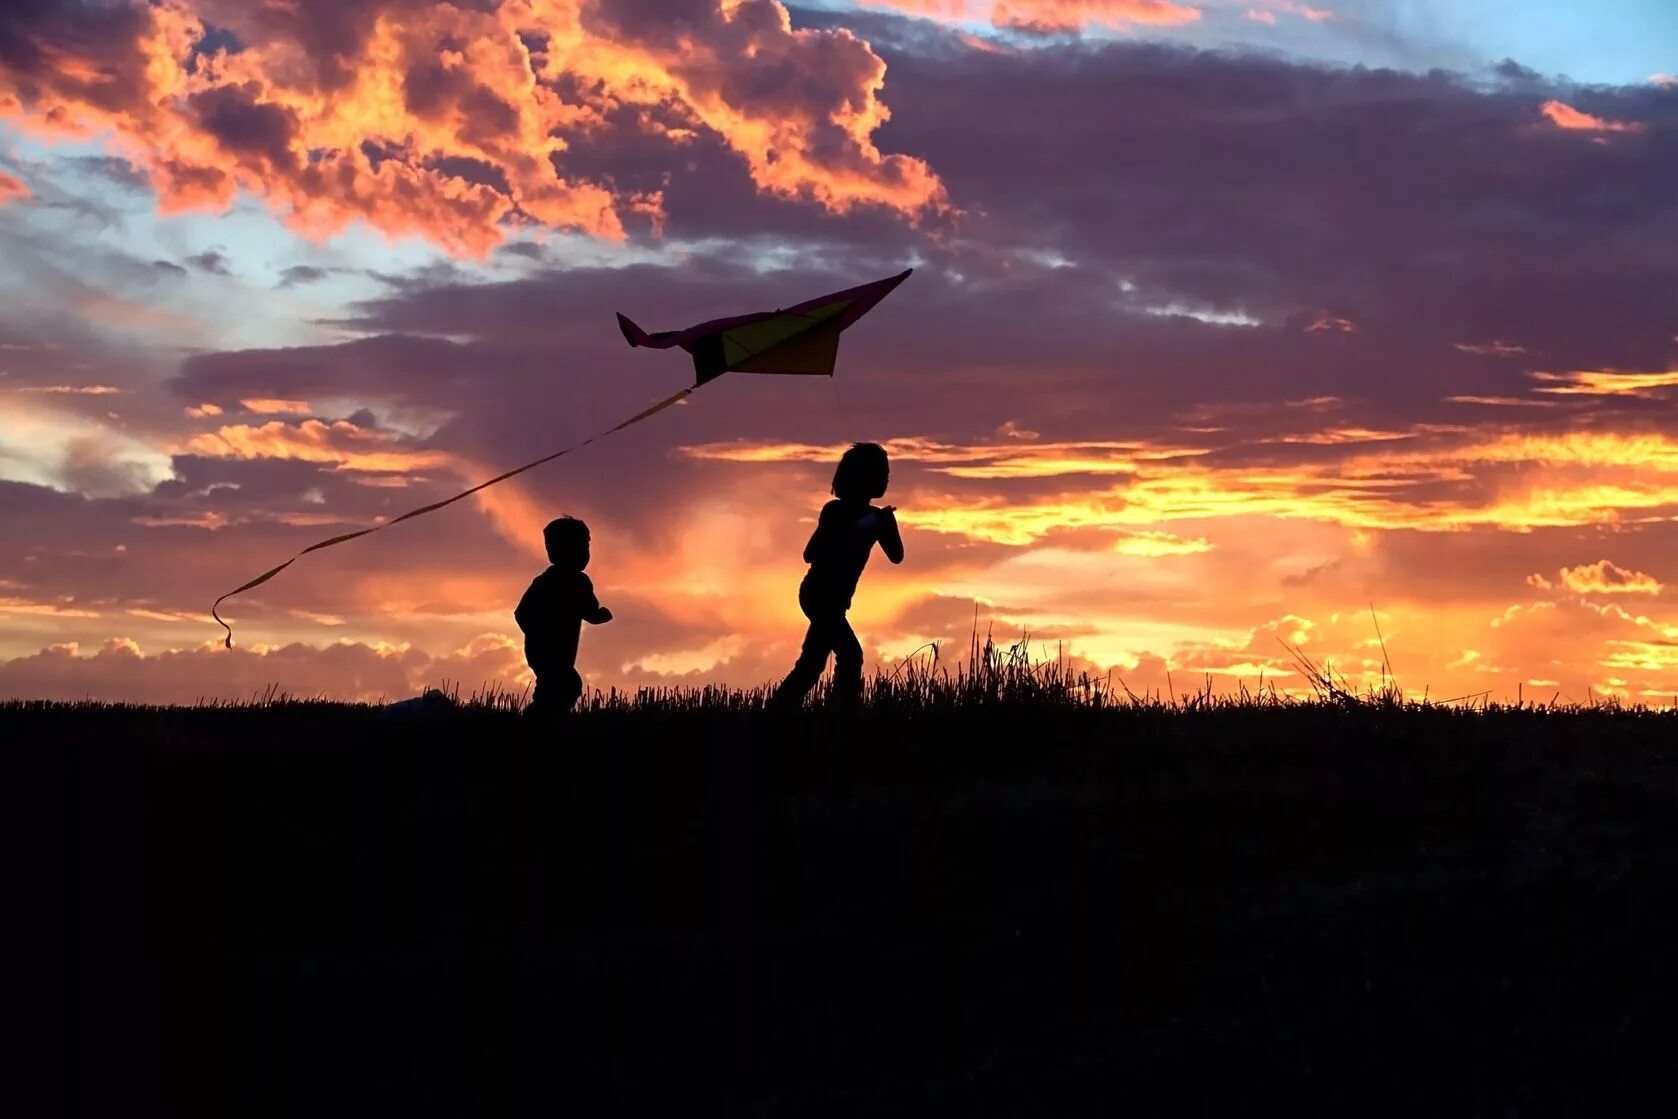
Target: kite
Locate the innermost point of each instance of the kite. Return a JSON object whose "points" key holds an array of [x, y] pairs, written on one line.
{"points": [[802, 340], [799, 341]]}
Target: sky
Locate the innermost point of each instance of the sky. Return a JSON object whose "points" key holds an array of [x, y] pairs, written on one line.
{"points": [[1237, 331]]}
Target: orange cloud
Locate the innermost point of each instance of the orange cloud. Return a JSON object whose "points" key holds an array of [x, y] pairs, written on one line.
{"points": [[1155, 544], [11, 605], [447, 121], [11, 189], [265, 407], [1431, 479], [1604, 577], [341, 444], [1605, 383], [1567, 117]]}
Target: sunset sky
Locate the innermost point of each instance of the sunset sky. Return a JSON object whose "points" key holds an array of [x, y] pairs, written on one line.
{"points": [[1232, 325]]}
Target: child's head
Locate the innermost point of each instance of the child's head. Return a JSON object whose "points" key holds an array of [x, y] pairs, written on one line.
{"points": [[567, 541], [863, 473]]}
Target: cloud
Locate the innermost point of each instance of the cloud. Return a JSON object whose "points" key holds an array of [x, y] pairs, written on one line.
{"points": [[340, 443], [267, 407], [448, 121], [299, 274], [1048, 16], [1153, 544], [1266, 12], [211, 261], [1565, 116], [12, 188], [1491, 349], [1060, 15], [70, 390], [1605, 383], [1604, 577], [1165, 493], [119, 669]]}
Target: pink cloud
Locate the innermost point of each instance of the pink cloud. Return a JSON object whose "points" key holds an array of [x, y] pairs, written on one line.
{"points": [[1266, 13], [1049, 15]]}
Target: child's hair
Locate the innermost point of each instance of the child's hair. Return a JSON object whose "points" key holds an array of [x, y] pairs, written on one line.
{"points": [[564, 536], [862, 472]]}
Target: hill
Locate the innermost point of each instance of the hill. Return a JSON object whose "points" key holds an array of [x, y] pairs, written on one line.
{"points": [[1004, 906]]}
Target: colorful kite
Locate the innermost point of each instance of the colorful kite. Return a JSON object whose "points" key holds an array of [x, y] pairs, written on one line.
{"points": [[801, 340]]}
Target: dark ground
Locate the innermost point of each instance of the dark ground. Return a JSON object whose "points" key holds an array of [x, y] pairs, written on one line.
{"points": [[314, 911]]}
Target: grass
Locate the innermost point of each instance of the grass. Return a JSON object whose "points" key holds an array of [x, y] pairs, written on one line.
{"points": [[995, 888]]}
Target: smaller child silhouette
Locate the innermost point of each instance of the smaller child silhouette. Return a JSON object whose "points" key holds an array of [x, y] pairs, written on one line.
{"points": [[551, 614], [838, 550]]}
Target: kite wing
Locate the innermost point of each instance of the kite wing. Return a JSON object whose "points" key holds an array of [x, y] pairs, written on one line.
{"points": [[802, 340]]}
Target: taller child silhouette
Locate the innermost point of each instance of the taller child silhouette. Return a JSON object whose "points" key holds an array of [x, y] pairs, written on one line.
{"points": [[845, 536]]}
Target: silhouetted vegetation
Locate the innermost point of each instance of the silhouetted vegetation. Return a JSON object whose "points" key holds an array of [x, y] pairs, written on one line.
{"points": [[1006, 889]]}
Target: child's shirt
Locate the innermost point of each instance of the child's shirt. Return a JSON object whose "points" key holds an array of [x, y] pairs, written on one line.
{"points": [[845, 535], [551, 615]]}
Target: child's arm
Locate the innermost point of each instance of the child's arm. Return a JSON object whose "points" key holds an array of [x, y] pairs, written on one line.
{"points": [[891, 540], [526, 611], [592, 612], [824, 529]]}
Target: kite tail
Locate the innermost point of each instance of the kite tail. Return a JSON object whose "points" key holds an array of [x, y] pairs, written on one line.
{"points": [[435, 505]]}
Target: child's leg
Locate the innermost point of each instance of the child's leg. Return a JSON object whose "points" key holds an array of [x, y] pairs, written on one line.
{"points": [[570, 689], [811, 661], [847, 661], [537, 708], [555, 694]]}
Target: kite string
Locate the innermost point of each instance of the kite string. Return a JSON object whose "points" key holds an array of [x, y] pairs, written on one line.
{"points": [[434, 506], [845, 413]]}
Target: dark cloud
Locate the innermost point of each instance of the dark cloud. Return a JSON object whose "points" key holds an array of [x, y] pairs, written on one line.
{"points": [[36, 36], [211, 261], [299, 274], [527, 250], [245, 126], [113, 169]]}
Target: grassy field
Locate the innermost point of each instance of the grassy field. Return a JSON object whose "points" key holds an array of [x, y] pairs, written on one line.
{"points": [[1003, 897]]}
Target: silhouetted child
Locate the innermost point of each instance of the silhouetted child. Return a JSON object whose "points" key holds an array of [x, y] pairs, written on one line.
{"points": [[552, 613], [845, 536]]}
